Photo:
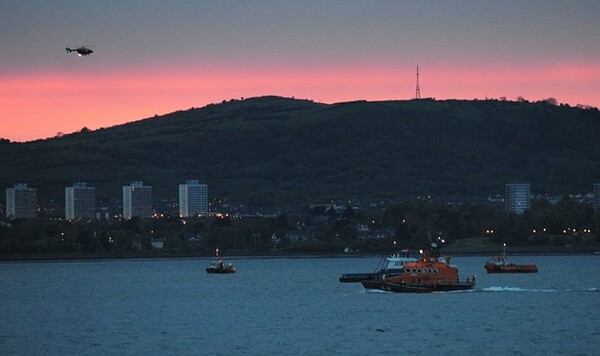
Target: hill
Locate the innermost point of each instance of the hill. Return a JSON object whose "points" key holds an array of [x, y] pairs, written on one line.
{"points": [[278, 151]]}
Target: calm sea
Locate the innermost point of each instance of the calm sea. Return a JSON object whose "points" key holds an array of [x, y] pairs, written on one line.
{"points": [[293, 306]]}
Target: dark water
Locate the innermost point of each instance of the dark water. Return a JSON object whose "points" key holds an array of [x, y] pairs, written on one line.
{"points": [[293, 306]]}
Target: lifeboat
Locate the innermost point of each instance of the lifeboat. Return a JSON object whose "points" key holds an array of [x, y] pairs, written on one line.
{"points": [[427, 275], [500, 264], [392, 265], [219, 267]]}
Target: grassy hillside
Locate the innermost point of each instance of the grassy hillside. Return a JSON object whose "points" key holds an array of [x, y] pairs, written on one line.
{"points": [[273, 150]]}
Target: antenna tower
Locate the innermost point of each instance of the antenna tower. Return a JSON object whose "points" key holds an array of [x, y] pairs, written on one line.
{"points": [[418, 90]]}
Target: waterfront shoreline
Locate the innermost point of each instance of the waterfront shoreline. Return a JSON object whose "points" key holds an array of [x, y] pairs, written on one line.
{"points": [[172, 256]]}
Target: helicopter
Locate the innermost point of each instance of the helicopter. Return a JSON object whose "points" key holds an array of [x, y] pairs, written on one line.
{"points": [[81, 51]]}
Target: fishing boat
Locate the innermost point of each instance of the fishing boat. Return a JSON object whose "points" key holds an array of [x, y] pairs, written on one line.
{"points": [[219, 267], [500, 264], [426, 275], [388, 266]]}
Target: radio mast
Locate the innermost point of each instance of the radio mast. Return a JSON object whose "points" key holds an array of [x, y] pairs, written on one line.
{"points": [[418, 90]]}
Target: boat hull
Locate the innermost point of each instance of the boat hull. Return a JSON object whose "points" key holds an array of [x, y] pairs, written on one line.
{"points": [[219, 270], [358, 277], [393, 266], [491, 267], [417, 288]]}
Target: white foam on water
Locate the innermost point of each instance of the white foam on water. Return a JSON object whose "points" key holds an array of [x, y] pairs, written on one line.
{"points": [[516, 289]]}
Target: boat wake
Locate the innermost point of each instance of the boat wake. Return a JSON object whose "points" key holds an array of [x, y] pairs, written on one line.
{"points": [[593, 290], [496, 289], [374, 291], [517, 289]]}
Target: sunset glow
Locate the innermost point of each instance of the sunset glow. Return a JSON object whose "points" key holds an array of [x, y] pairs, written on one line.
{"points": [[164, 57], [57, 102]]}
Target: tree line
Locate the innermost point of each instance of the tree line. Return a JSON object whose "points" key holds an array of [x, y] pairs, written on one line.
{"points": [[319, 229]]}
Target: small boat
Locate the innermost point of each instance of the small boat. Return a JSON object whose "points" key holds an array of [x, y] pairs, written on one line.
{"points": [[392, 265], [219, 267], [499, 264], [427, 275]]}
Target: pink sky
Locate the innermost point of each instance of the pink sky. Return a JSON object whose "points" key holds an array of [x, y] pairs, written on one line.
{"points": [[41, 104], [156, 57]]}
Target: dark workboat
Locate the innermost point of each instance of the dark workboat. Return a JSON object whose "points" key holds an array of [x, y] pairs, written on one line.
{"points": [[392, 265], [219, 267], [500, 264], [427, 275]]}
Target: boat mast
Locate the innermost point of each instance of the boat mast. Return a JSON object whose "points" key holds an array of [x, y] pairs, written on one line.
{"points": [[428, 232], [432, 245]]}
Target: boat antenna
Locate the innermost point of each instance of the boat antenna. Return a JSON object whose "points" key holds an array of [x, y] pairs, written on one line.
{"points": [[432, 245]]}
